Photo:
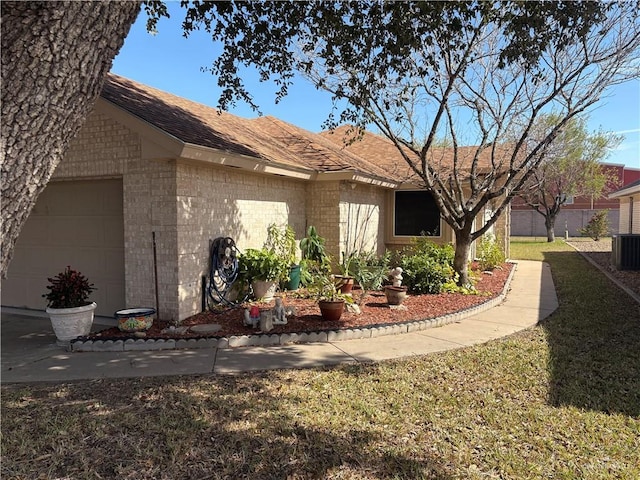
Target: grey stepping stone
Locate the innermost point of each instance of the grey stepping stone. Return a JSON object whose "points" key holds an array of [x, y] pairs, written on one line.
{"points": [[206, 328]]}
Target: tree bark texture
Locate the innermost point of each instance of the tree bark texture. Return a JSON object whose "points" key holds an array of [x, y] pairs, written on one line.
{"points": [[55, 56], [461, 255], [550, 224]]}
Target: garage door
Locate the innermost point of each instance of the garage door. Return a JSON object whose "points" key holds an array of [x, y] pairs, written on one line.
{"points": [[73, 223]]}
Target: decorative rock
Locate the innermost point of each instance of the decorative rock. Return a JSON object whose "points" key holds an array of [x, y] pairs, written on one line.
{"points": [[140, 334], [353, 308], [398, 307], [206, 328], [174, 330]]}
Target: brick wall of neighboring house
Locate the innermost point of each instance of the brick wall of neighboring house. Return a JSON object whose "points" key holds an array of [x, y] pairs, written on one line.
{"points": [[500, 229], [217, 202], [149, 206], [362, 218]]}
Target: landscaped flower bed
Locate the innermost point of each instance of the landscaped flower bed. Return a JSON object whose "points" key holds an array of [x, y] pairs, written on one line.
{"points": [[374, 311]]}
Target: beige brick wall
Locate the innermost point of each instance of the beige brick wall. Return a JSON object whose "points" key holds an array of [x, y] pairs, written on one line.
{"points": [[105, 148], [362, 218], [214, 202], [102, 148], [323, 212], [500, 229], [149, 206]]}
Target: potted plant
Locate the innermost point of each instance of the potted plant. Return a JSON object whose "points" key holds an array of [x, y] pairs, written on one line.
{"points": [[346, 278], [282, 241], [263, 269], [69, 309], [330, 300], [370, 271], [315, 260]]}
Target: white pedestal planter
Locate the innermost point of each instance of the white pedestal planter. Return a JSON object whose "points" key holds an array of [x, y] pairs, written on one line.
{"points": [[69, 323], [264, 290]]}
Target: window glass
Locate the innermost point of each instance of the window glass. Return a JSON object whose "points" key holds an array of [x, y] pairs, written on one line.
{"points": [[416, 213]]}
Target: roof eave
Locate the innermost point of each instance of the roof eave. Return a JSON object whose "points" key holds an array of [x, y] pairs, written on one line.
{"points": [[231, 159], [625, 192], [357, 177]]}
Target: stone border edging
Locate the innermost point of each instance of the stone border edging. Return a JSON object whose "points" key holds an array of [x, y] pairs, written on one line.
{"points": [[273, 339]]}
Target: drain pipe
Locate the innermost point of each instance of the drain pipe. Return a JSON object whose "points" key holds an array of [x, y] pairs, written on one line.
{"points": [[155, 273]]}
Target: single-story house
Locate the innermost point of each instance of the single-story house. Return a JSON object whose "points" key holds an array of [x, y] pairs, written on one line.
{"points": [[152, 178], [625, 249], [629, 211]]}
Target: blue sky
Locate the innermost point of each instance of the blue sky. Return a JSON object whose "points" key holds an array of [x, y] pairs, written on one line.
{"points": [[172, 63]]}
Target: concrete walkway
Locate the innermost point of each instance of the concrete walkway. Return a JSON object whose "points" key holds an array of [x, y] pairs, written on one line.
{"points": [[29, 352]]}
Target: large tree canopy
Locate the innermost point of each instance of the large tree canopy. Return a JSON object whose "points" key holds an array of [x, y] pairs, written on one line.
{"points": [[55, 56], [474, 73], [467, 73]]}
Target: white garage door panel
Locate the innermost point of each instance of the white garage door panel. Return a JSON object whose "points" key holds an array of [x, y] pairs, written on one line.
{"points": [[73, 223]]}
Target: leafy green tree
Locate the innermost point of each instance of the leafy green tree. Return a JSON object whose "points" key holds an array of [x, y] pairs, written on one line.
{"points": [[471, 73], [570, 167], [413, 69]]}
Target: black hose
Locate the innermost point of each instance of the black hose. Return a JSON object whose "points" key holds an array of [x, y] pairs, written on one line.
{"points": [[223, 270]]}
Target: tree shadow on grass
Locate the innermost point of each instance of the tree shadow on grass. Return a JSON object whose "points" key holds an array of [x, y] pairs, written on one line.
{"points": [[594, 340], [248, 426]]}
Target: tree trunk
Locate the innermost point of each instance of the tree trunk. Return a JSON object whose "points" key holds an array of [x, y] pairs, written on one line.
{"points": [[461, 257], [550, 224], [55, 56]]}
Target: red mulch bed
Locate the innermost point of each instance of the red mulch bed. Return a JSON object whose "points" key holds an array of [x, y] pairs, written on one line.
{"points": [[374, 311]]}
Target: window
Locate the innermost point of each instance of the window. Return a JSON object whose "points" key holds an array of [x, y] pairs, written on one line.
{"points": [[415, 213]]}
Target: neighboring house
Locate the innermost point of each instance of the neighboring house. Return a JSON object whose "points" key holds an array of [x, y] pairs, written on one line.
{"points": [[629, 212], [152, 178], [576, 213], [625, 247]]}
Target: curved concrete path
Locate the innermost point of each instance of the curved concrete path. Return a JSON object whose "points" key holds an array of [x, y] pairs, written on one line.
{"points": [[29, 352]]}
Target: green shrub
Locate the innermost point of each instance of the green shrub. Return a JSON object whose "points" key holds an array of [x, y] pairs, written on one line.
{"points": [[598, 226], [370, 270], [262, 264], [489, 254], [427, 267]]}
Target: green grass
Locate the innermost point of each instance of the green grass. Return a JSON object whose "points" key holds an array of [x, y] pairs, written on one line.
{"points": [[560, 400]]}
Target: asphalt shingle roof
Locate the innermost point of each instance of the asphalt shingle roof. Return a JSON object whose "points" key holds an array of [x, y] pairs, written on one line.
{"points": [[265, 138]]}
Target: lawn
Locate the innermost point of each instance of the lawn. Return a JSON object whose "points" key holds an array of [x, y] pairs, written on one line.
{"points": [[560, 400]]}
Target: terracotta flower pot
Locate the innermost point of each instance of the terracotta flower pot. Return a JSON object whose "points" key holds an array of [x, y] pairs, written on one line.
{"points": [[331, 310], [345, 284]]}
